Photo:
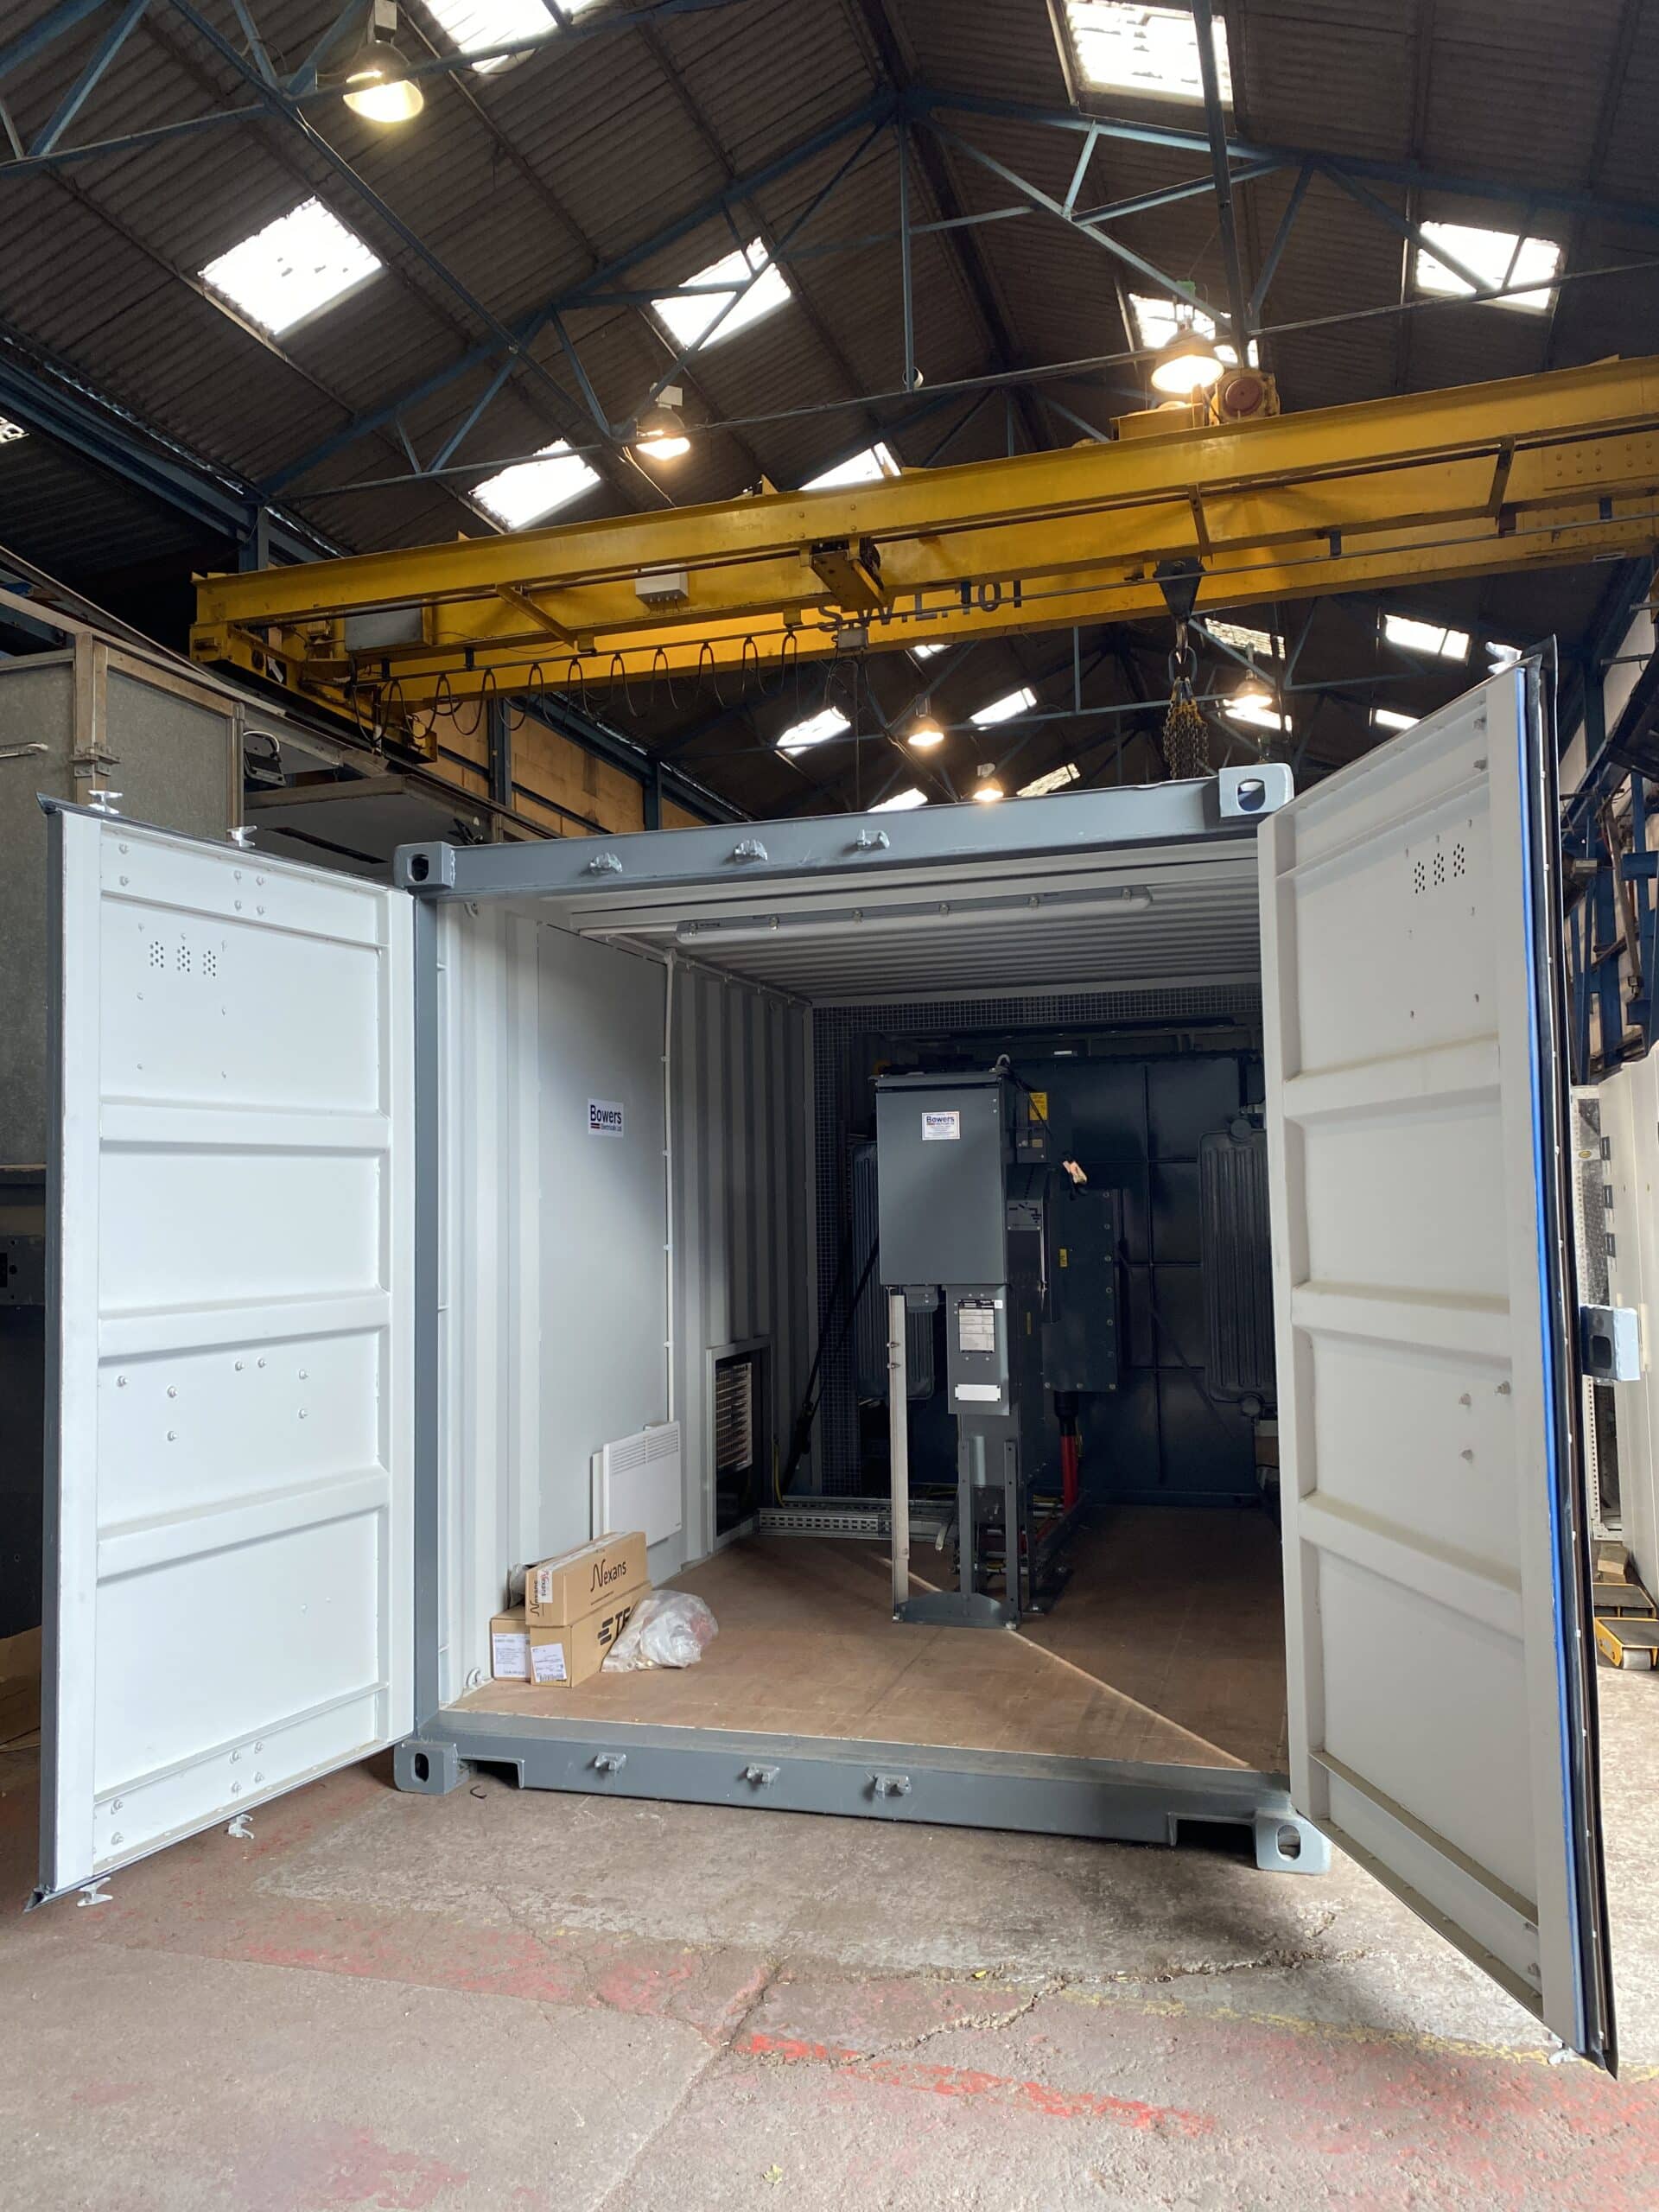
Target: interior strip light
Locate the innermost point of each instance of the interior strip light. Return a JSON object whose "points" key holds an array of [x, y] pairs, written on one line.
{"points": [[879, 921]]}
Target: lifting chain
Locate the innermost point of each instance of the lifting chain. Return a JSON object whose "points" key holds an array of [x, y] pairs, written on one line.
{"points": [[1184, 741]]}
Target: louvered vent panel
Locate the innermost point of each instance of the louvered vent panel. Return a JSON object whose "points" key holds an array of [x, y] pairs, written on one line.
{"points": [[1238, 1264], [734, 1414]]}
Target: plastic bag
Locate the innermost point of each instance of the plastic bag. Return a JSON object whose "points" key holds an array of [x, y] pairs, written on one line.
{"points": [[669, 1628]]}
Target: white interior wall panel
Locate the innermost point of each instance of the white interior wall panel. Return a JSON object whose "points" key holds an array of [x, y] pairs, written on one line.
{"points": [[553, 1272], [603, 1210], [489, 1296]]}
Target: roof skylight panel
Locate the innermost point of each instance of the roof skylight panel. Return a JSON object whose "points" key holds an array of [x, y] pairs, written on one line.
{"points": [[1432, 638], [813, 729], [302, 262], [866, 468], [470, 24], [530, 489], [1005, 708], [1243, 639], [716, 301], [1157, 321], [1125, 49], [1497, 257], [1055, 780]]}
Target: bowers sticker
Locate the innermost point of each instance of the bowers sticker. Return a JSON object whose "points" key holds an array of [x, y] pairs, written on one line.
{"points": [[941, 1128], [604, 1118]]}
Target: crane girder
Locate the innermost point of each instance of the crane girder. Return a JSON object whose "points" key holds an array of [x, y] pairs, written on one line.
{"points": [[1535, 471]]}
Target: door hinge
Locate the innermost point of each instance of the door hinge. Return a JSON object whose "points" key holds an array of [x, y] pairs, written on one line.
{"points": [[1609, 1338]]}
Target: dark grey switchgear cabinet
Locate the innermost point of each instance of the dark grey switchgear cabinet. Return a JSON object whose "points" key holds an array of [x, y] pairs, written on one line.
{"points": [[942, 1142]]}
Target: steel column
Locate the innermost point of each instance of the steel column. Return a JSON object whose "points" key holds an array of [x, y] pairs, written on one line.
{"points": [[500, 729]]}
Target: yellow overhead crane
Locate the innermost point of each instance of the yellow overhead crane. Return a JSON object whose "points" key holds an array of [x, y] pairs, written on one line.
{"points": [[1531, 471]]}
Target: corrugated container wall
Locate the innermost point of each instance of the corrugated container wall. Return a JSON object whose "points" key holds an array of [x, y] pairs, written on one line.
{"points": [[743, 1225], [555, 1250]]}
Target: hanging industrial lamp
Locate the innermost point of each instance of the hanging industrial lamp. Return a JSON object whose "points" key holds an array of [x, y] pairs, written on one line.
{"points": [[924, 731], [662, 434], [377, 83], [1253, 693], [1187, 363], [987, 788]]}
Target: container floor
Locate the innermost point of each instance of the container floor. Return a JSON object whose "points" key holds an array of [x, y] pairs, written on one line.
{"points": [[1167, 1647]]}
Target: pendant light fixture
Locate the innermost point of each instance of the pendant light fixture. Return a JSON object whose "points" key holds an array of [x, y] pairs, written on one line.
{"points": [[1188, 363], [662, 434], [924, 731], [376, 84]]}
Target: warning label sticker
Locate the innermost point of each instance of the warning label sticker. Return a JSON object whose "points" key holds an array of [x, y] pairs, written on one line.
{"points": [[941, 1127]]}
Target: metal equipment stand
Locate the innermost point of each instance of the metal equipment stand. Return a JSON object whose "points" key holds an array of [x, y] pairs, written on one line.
{"points": [[964, 1606]]}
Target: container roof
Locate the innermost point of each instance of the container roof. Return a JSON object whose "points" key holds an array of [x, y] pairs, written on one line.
{"points": [[1057, 895], [522, 225]]}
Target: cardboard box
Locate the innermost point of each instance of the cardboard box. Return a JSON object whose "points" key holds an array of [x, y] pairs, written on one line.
{"points": [[509, 1647], [570, 1654], [577, 1583]]}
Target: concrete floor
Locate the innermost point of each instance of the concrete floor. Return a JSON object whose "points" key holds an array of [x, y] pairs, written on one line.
{"points": [[499, 1998]]}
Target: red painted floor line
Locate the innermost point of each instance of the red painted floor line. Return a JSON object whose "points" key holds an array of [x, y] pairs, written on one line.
{"points": [[970, 2083]]}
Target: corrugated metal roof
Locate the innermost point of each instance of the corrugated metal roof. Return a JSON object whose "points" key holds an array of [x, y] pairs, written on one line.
{"points": [[514, 187]]}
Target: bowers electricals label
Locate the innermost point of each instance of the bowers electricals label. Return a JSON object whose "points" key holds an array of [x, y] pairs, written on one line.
{"points": [[604, 1118], [941, 1128]]}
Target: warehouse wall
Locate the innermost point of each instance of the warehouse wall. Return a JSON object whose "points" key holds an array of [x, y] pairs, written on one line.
{"points": [[562, 788]]}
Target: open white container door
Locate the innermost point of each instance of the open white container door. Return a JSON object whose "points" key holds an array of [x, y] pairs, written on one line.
{"points": [[1441, 1706], [229, 1568]]}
